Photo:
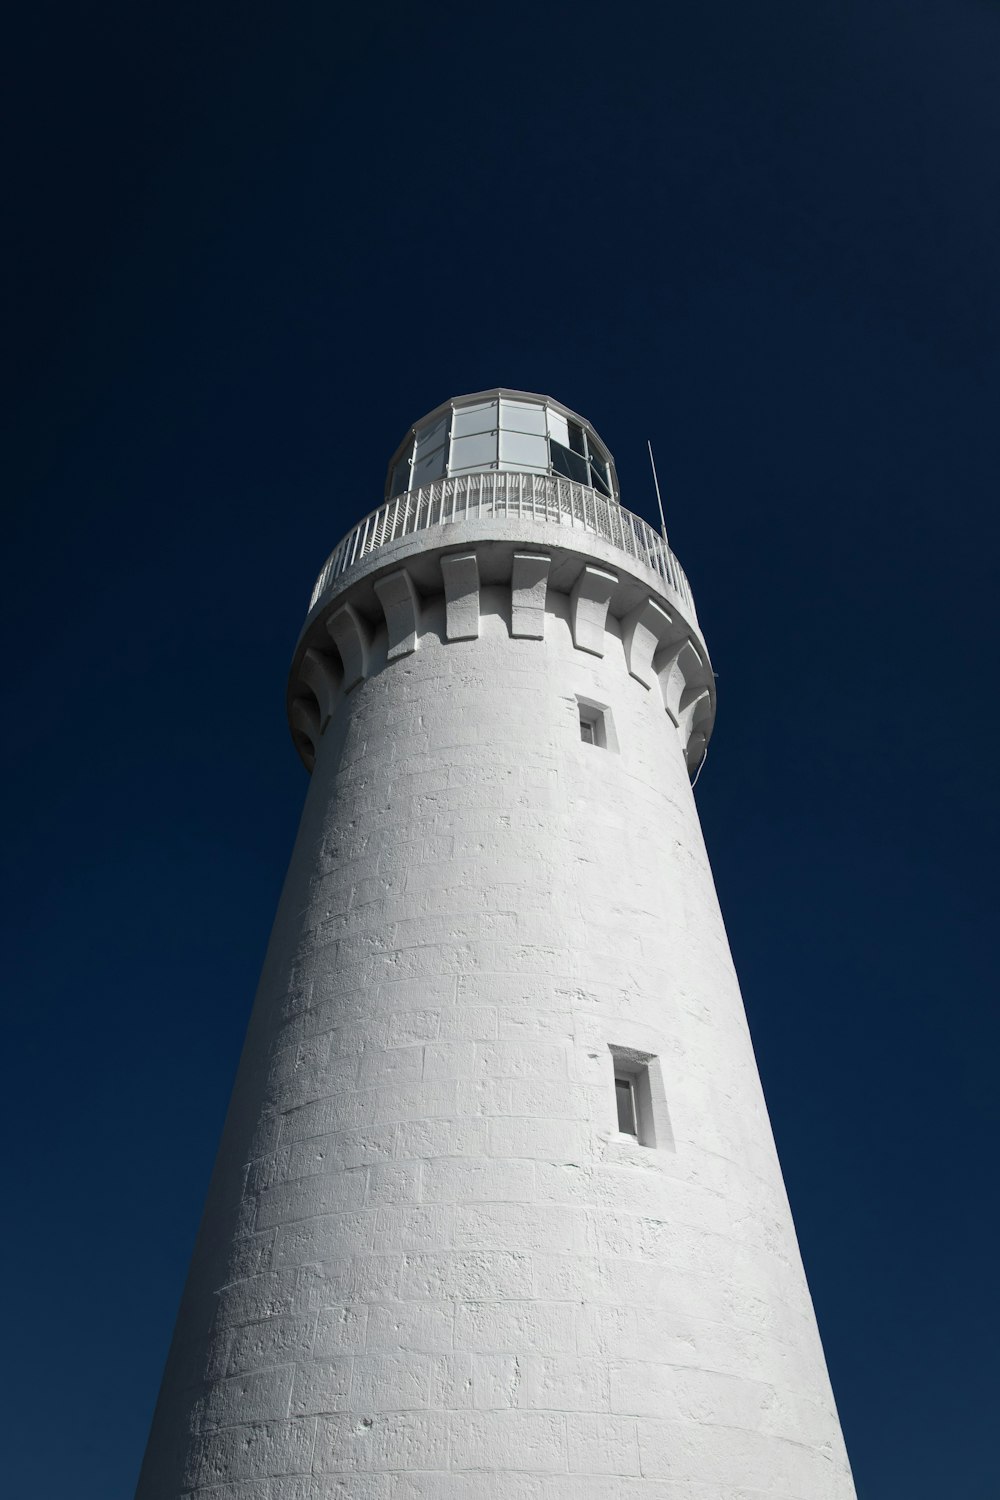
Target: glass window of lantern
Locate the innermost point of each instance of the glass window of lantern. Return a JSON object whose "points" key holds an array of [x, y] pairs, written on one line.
{"points": [[480, 417], [558, 427], [432, 436], [523, 450], [576, 438], [401, 474], [522, 416], [478, 451], [599, 468], [569, 464], [428, 466]]}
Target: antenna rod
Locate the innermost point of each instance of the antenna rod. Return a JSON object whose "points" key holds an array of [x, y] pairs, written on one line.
{"points": [[656, 482]]}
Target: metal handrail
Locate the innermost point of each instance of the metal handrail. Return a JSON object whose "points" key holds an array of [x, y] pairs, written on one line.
{"points": [[493, 493]]}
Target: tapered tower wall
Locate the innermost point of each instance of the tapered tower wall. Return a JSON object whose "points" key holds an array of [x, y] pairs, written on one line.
{"points": [[431, 1266]]}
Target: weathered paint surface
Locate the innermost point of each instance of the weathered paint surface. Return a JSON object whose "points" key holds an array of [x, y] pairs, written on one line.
{"points": [[430, 1268]]}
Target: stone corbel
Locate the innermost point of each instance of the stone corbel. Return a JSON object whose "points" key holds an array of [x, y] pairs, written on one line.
{"points": [[305, 721], [401, 603], [318, 673], [695, 706], [352, 639], [528, 586], [460, 572], [675, 672], [644, 630], [696, 747], [589, 608]]}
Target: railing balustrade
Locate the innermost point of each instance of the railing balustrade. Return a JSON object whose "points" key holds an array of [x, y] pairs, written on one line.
{"points": [[540, 497]]}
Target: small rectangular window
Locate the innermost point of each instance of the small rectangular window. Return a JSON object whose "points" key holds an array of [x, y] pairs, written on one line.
{"points": [[640, 1102], [625, 1098], [595, 724]]}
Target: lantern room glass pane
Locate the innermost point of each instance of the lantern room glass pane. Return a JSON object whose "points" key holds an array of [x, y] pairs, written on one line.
{"points": [[558, 427], [429, 438], [565, 461], [481, 417], [476, 451], [519, 416], [401, 474], [428, 466], [576, 437], [523, 448], [599, 466]]}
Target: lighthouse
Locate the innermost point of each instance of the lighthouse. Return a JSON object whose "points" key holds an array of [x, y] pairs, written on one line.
{"points": [[497, 1212]]}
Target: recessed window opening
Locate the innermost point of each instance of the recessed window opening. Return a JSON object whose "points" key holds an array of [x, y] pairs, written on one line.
{"points": [[640, 1106], [595, 724]]}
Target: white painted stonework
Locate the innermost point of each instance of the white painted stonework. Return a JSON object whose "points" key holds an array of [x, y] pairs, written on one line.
{"points": [[430, 1267]]}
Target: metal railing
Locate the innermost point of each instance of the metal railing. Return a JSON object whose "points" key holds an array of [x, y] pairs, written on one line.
{"points": [[531, 497]]}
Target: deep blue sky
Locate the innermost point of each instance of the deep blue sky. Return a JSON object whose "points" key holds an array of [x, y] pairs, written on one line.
{"points": [[247, 245]]}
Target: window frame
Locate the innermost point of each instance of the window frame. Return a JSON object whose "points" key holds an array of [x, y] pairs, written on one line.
{"points": [[625, 1083]]}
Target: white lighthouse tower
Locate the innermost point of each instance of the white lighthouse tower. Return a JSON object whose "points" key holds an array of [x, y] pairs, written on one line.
{"points": [[497, 1213]]}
